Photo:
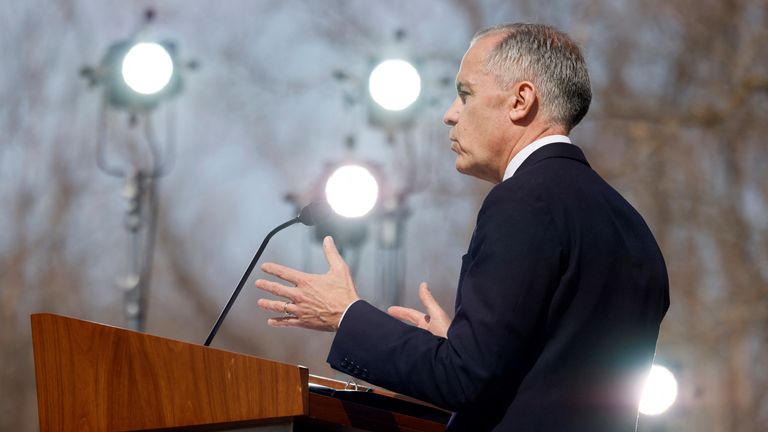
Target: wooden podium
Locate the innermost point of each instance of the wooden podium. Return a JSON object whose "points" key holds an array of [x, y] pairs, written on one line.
{"points": [[93, 377]]}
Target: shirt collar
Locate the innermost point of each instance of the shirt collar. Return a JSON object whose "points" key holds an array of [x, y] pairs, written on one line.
{"points": [[519, 158]]}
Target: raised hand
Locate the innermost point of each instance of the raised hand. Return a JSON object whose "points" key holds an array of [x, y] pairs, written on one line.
{"points": [[435, 320], [315, 301]]}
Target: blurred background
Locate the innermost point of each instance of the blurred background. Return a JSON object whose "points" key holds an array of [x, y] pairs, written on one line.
{"points": [[100, 205]]}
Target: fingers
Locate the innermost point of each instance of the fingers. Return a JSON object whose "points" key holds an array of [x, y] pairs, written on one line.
{"points": [[276, 288], [283, 272], [288, 321], [279, 306], [332, 255], [408, 315], [283, 307], [416, 317]]}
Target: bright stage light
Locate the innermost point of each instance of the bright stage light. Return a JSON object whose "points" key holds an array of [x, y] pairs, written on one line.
{"points": [[394, 84], [659, 392], [147, 68], [352, 191]]}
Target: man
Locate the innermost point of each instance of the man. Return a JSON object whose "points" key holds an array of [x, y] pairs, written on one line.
{"points": [[562, 290]]}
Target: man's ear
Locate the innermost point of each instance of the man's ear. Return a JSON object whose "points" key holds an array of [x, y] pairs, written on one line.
{"points": [[524, 95]]}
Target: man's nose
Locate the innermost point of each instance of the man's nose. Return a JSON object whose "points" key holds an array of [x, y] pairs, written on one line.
{"points": [[451, 117]]}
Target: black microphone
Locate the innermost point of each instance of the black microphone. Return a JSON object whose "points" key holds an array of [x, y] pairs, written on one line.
{"points": [[315, 212], [312, 214]]}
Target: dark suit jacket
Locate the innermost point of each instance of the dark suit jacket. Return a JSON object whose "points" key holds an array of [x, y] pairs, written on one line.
{"points": [[558, 308]]}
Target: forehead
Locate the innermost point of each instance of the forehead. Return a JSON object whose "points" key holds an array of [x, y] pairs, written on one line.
{"points": [[474, 61]]}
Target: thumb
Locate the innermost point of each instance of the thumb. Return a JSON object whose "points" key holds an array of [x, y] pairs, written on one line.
{"points": [[433, 308], [332, 254]]}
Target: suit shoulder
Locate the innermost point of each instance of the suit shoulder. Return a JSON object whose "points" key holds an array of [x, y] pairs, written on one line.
{"points": [[540, 182]]}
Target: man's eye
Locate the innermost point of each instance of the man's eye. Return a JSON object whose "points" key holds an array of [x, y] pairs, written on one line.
{"points": [[463, 95]]}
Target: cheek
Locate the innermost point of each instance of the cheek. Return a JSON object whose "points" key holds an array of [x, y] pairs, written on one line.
{"points": [[474, 135], [469, 127], [477, 121]]}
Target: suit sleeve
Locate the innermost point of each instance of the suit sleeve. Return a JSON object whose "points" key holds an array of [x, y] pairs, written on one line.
{"points": [[510, 272]]}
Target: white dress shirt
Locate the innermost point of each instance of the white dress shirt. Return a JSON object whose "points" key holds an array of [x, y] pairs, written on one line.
{"points": [[519, 158]]}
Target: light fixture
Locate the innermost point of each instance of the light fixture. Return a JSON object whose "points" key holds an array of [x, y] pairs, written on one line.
{"points": [[659, 391], [137, 74], [147, 68], [394, 84], [352, 191]]}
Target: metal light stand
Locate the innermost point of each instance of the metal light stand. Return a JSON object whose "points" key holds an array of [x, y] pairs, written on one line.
{"points": [[140, 220], [140, 178]]}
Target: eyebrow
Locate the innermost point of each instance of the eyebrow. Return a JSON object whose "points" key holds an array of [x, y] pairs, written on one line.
{"points": [[463, 85]]}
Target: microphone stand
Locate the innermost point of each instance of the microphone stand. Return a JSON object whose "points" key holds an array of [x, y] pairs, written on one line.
{"points": [[310, 215], [256, 257]]}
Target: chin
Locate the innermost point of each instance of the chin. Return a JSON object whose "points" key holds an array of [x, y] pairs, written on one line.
{"points": [[459, 167], [463, 168], [467, 170]]}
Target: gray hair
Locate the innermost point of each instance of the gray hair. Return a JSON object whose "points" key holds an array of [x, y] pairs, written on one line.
{"points": [[549, 59]]}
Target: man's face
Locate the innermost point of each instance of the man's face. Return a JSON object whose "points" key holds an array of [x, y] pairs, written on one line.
{"points": [[479, 117]]}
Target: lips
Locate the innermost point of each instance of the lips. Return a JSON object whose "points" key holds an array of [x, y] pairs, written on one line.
{"points": [[455, 145]]}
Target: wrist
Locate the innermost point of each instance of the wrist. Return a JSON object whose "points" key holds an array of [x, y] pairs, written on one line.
{"points": [[357, 299]]}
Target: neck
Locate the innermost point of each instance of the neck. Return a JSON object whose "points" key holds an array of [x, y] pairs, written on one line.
{"points": [[530, 134]]}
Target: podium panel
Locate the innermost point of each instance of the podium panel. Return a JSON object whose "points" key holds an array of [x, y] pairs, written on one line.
{"points": [[93, 377]]}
